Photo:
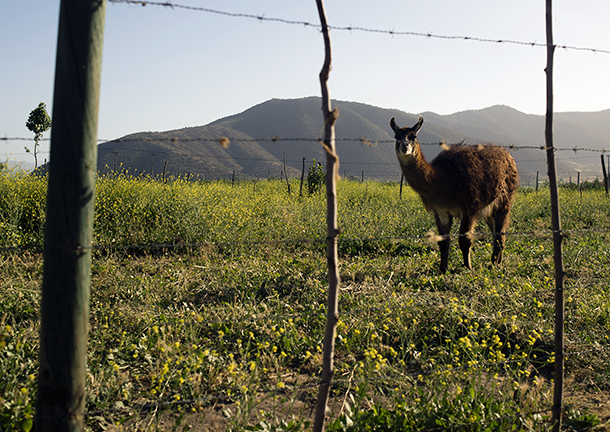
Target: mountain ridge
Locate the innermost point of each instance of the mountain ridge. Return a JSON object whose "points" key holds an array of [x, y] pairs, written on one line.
{"points": [[260, 135]]}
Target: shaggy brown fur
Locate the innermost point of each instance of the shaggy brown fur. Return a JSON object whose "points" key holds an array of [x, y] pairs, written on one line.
{"points": [[469, 182]]}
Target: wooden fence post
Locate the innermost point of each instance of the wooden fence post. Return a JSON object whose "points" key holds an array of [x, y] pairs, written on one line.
{"points": [[116, 153], [69, 224], [332, 317], [557, 233], [165, 171], [605, 175], [152, 165], [302, 178], [286, 172]]}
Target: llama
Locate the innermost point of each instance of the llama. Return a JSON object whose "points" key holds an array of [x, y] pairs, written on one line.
{"points": [[470, 182]]}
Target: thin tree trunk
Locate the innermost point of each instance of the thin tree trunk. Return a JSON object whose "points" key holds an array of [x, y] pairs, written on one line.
{"points": [[332, 173], [69, 226], [557, 234]]}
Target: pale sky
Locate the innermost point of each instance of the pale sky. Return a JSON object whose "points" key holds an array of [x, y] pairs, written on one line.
{"points": [[169, 68]]}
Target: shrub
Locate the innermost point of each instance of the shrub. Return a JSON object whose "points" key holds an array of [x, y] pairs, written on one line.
{"points": [[315, 177]]}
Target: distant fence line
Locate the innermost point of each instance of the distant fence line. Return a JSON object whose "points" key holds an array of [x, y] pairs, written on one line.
{"points": [[363, 174], [277, 139]]}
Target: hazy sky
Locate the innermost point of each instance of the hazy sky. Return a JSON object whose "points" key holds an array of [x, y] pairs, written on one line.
{"points": [[169, 68]]}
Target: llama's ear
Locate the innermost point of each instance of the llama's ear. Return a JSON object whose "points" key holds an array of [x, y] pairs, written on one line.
{"points": [[419, 124], [393, 124]]}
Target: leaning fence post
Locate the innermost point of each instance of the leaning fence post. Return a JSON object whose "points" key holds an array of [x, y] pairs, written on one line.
{"points": [[557, 234], [332, 317], [69, 224], [605, 175], [302, 178], [286, 172]]}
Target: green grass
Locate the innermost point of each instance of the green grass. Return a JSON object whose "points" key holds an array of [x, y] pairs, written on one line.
{"points": [[227, 334]]}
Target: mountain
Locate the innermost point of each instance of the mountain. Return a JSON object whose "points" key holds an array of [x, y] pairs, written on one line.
{"points": [[505, 125], [260, 136]]}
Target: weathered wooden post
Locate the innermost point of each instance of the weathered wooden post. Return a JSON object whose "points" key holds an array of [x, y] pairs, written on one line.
{"points": [[152, 165], [332, 258], [402, 178], [116, 153], [302, 178], [557, 233], [69, 225], [605, 175], [286, 172]]}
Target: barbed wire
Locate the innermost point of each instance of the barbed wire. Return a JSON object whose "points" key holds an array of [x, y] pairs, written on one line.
{"points": [[147, 406], [277, 139], [429, 237], [439, 370], [350, 28]]}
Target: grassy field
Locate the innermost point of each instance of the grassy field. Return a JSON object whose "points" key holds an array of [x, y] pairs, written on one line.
{"points": [[226, 335]]}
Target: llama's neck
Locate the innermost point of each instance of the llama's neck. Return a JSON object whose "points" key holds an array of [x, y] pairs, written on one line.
{"points": [[418, 172]]}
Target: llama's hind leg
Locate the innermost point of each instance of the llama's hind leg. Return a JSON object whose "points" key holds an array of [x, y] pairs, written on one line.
{"points": [[498, 225], [465, 240], [443, 223]]}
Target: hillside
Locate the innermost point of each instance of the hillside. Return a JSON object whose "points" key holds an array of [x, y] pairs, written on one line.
{"points": [[505, 125], [260, 135]]}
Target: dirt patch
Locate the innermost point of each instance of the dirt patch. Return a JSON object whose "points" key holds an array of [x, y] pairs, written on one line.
{"points": [[596, 403]]}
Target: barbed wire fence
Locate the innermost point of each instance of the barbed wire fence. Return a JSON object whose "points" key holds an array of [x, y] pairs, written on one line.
{"points": [[424, 299], [362, 170], [361, 140]]}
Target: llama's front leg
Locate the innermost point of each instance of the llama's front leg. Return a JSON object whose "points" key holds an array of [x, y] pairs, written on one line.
{"points": [[443, 223], [465, 240], [501, 226]]}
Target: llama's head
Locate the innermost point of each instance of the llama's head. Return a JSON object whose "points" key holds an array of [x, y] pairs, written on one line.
{"points": [[406, 138]]}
